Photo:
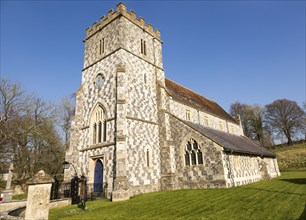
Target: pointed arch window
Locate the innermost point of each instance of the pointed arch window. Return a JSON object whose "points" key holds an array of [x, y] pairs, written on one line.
{"points": [[98, 122], [148, 158], [193, 154]]}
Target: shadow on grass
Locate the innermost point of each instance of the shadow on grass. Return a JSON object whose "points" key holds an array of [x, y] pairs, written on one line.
{"points": [[303, 216], [274, 191], [295, 181]]}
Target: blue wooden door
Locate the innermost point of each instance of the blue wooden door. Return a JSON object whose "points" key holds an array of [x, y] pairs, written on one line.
{"points": [[98, 176]]}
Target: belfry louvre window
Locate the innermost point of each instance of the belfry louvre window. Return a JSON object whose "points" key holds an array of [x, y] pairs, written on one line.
{"points": [[98, 126], [143, 47], [193, 154], [101, 46]]}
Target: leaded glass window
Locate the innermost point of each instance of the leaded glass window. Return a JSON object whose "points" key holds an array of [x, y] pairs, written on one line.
{"points": [[193, 154]]}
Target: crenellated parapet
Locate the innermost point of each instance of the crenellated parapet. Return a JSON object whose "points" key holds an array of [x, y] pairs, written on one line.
{"points": [[121, 11]]}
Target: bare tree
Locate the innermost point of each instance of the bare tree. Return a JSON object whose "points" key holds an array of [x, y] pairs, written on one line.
{"points": [[66, 114], [285, 117], [13, 104], [27, 129], [252, 122], [255, 122], [243, 110], [259, 129]]}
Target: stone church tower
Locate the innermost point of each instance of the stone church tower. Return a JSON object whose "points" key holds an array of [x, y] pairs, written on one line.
{"points": [[117, 109], [135, 131]]}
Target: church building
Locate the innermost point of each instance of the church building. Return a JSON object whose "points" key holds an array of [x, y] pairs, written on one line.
{"points": [[136, 131]]}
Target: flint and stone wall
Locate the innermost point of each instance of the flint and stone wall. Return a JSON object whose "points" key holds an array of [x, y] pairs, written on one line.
{"points": [[241, 169], [204, 118], [210, 174]]}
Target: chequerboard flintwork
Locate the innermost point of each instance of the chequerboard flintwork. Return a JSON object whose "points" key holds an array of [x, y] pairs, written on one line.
{"points": [[135, 131]]}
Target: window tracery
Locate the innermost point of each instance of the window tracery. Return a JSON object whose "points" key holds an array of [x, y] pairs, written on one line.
{"points": [[98, 124], [193, 153]]}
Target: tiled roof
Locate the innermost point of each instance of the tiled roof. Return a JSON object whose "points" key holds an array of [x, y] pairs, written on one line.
{"points": [[232, 143], [188, 97]]}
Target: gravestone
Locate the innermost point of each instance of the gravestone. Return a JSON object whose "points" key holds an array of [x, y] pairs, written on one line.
{"points": [[38, 196], [7, 194]]}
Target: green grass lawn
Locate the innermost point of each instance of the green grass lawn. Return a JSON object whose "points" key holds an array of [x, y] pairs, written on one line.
{"points": [[20, 197], [280, 198]]}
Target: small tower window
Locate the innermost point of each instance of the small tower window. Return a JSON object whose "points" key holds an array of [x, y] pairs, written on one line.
{"points": [[101, 46], [143, 49], [145, 78]]}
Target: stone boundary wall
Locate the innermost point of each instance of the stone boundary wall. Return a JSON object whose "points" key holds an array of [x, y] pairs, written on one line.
{"points": [[59, 203], [5, 207]]}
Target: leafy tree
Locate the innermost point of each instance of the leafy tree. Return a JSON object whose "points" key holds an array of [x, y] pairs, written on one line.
{"points": [[285, 117]]}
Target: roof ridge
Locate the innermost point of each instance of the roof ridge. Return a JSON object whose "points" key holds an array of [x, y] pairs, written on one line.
{"points": [[199, 101], [213, 134], [192, 91]]}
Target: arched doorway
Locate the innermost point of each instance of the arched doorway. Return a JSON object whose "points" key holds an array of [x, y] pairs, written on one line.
{"points": [[98, 179]]}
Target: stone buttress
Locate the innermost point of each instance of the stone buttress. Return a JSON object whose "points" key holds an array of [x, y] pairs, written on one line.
{"points": [[121, 181]]}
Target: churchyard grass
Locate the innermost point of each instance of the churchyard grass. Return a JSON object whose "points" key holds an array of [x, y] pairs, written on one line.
{"points": [[280, 198], [20, 196]]}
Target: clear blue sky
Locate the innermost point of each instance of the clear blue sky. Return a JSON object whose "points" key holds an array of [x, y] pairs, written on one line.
{"points": [[247, 51]]}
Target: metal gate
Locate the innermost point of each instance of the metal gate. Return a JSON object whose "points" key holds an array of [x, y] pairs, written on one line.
{"points": [[75, 189], [61, 189]]}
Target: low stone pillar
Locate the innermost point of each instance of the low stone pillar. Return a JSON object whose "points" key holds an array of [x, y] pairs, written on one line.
{"points": [[38, 196]]}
